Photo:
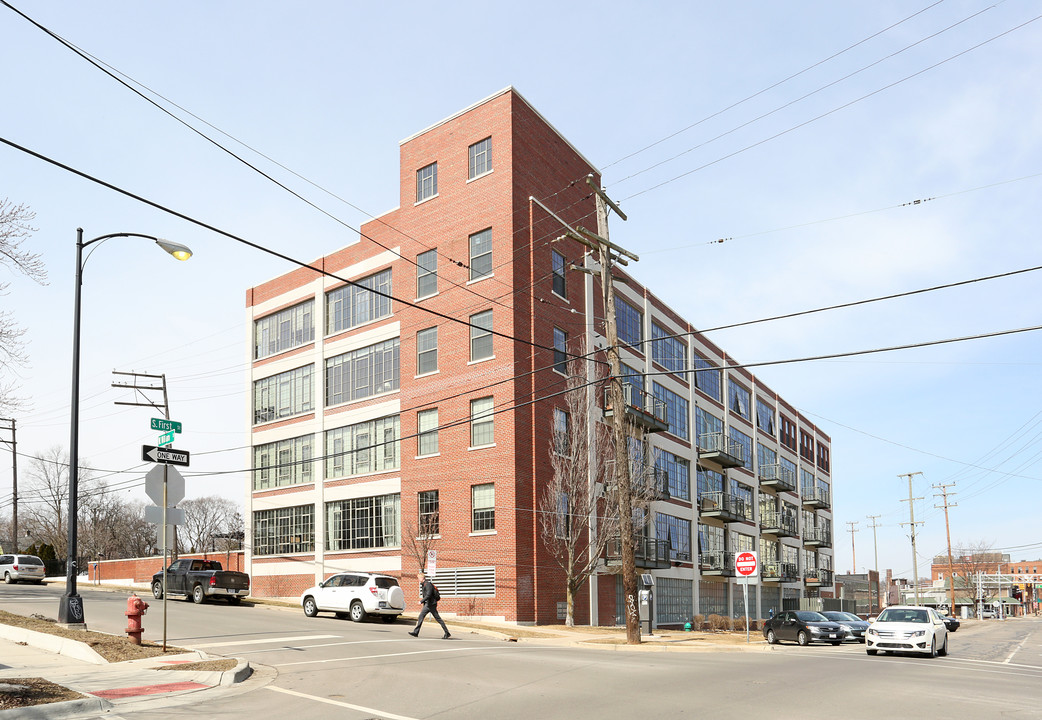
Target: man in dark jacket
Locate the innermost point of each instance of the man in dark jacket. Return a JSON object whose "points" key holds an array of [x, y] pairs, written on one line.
{"points": [[429, 598]]}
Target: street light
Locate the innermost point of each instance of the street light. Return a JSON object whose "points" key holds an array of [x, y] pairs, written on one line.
{"points": [[70, 608]]}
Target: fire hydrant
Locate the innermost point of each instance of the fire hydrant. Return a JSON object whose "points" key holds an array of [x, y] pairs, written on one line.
{"points": [[136, 607]]}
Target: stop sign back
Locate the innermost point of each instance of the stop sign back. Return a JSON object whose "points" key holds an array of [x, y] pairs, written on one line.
{"points": [[745, 564]]}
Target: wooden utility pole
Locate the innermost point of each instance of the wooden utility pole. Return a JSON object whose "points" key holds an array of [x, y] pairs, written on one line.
{"points": [[875, 555], [853, 552], [912, 523], [14, 482], [948, 533]]}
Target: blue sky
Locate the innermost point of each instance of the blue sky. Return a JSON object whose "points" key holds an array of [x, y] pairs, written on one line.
{"points": [[803, 134]]}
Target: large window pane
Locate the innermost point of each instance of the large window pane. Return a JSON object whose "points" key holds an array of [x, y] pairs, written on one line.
{"points": [[481, 254], [352, 305], [284, 330], [481, 336]]}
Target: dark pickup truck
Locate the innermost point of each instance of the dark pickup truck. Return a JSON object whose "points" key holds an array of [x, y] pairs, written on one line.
{"points": [[198, 580]]}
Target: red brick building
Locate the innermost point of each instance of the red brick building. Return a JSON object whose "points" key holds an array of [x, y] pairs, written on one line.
{"points": [[375, 416]]}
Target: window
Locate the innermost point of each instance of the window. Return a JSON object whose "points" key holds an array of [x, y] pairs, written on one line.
{"points": [[362, 373], [823, 457], [806, 446], [284, 530], [561, 439], [560, 351], [481, 254], [632, 386], [427, 182], [286, 462], [673, 601], [710, 539], [765, 417], [481, 422], [427, 351], [427, 501], [427, 274], [352, 305], [480, 158], [427, 432], [788, 433], [666, 350], [483, 507], [738, 400], [558, 266], [678, 471], [707, 377], [709, 481], [706, 424], [283, 395], [366, 522], [284, 330], [481, 336], [364, 447], [677, 531], [563, 519], [742, 494], [629, 322], [747, 446], [676, 410]]}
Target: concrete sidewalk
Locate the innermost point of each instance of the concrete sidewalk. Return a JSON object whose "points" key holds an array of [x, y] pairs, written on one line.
{"points": [[27, 654]]}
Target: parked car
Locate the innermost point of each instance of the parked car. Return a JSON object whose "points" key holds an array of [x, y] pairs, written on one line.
{"points": [[21, 568], [987, 614], [850, 622], [804, 627], [908, 628], [951, 623], [356, 595], [198, 580]]}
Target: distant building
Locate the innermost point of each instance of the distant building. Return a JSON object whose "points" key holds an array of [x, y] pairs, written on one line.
{"points": [[373, 419], [866, 590]]}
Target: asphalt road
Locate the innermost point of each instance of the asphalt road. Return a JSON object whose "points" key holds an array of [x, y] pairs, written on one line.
{"points": [[325, 667]]}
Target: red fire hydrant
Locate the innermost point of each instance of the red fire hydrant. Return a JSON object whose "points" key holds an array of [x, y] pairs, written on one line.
{"points": [[136, 607]]}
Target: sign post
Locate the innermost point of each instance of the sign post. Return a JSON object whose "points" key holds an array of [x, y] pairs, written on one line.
{"points": [[745, 565]]}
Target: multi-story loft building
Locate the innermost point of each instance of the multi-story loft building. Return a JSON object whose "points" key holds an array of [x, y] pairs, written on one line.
{"points": [[377, 413]]}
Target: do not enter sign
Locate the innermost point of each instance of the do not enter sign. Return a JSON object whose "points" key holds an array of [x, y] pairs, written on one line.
{"points": [[745, 564]]}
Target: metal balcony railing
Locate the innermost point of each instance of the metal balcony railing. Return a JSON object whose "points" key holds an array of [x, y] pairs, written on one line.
{"points": [[716, 563], [641, 408], [717, 447], [657, 481], [776, 475], [779, 524], [817, 537], [724, 506], [647, 553], [812, 576], [815, 497], [779, 571]]}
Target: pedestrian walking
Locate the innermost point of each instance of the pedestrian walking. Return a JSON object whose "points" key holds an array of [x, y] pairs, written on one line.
{"points": [[429, 596]]}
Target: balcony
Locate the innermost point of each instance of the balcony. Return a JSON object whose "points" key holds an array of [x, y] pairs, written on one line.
{"points": [[777, 476], [775, 571], [648, 553], [817, 537], [657, 481], [815, 497], [724, 507], [718, 448], [716, 563], [778, 524], [642, 409], [817, 578]]}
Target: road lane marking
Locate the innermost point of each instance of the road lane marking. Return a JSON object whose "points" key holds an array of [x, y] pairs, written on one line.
{"points": [[381, 657], [321, 645], [264, 640], [359, 708], [1017, 649]]}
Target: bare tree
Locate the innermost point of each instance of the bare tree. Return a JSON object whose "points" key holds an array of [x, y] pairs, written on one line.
{"points": [[205, 517], [578, 506], [45, 502], [15, 228], [420, 536]]}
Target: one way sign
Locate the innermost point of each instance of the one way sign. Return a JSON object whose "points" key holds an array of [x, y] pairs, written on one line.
{"points": [[164, 455]]}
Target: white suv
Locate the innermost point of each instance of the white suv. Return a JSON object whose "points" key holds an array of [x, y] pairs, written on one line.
{"points": [[356, 595], [21, 568]]}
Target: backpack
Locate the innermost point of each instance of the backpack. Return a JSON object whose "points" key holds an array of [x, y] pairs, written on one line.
{"points": [[435, 595]]}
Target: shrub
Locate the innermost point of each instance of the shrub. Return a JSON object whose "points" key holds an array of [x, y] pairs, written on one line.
{"points": [[698, 622], [716, 622]]}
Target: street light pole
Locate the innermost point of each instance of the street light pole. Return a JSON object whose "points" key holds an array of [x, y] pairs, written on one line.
{"points": [[70, 607]]}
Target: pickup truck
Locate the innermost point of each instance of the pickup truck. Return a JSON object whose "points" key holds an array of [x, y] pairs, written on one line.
{"points": [[198, 580]]}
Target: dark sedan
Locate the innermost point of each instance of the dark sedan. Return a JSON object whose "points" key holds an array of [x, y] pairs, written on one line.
{"points": [[804, 627], [854, 625]]}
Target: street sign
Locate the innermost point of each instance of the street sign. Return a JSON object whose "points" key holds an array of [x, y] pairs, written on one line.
{"points": [[164, 455], [164, 425], [745, 564], [169, 535], [174, 516], [166, 439], [432, 562], [175, 485]]}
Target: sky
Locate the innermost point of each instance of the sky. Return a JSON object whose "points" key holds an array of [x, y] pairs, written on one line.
{"points": [[771, 158]]}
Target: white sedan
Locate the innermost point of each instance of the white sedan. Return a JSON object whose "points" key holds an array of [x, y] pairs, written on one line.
{"points": [[908, 629]]}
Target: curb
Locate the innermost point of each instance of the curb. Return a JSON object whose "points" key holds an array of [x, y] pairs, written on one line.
{"points": [[53, 643], [52, 711]]}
